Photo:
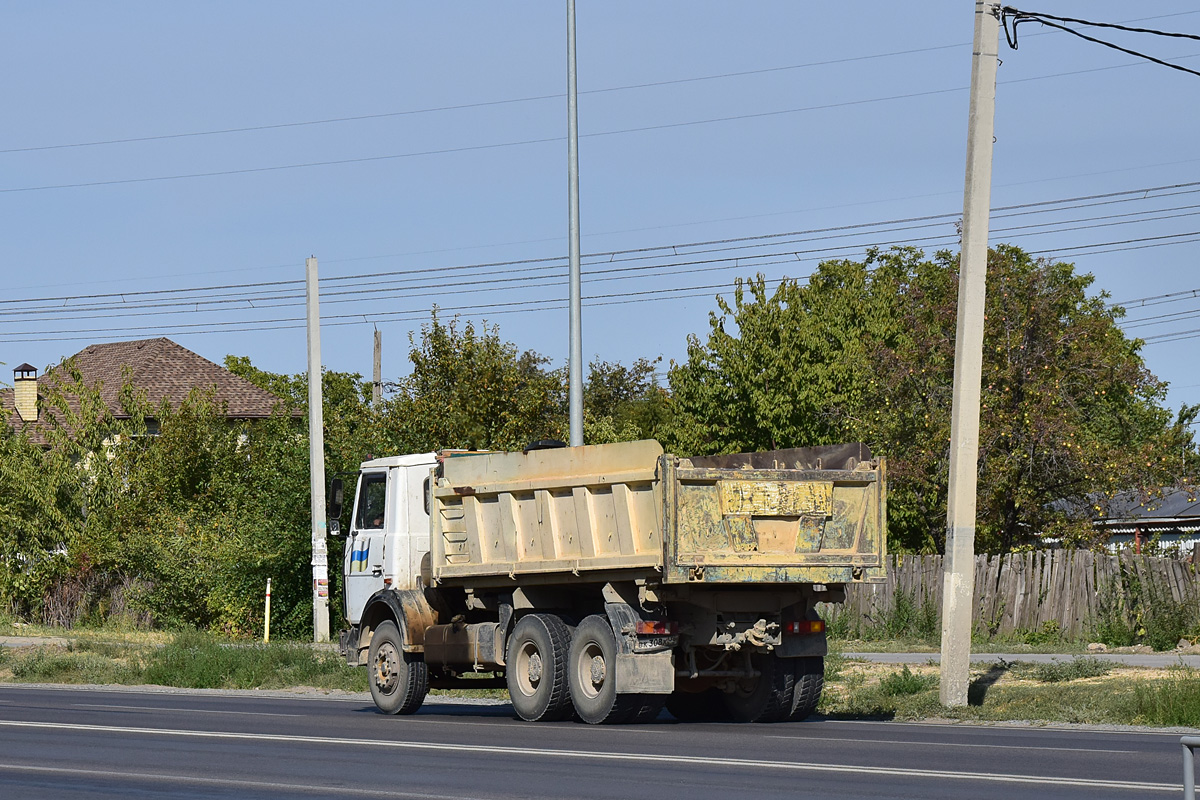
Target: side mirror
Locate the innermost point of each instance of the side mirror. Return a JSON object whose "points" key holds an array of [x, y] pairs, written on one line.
{"points": [[335, 527], [333, 507]]}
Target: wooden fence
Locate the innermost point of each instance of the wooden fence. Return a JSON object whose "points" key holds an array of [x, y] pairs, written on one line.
{"points": [[1024, 591]]}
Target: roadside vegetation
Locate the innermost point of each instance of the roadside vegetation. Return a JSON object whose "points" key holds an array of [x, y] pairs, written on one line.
{"points": [[1082, 690]]}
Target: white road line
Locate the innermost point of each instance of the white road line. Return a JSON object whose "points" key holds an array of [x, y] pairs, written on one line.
{"points": [[592, 755], [1001, 727], [184, 710], [325, 791], [949, 744]]}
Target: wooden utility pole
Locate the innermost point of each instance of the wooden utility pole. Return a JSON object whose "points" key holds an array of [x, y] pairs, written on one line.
{"points": [[959, 578], [316, 458]]}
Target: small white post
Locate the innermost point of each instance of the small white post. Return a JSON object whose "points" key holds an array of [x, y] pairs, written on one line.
{"points": [[267, 615]]}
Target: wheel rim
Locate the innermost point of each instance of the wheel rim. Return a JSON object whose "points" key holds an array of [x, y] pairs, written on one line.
{"points": [[387, 668], [592, 670], [529, 668]]}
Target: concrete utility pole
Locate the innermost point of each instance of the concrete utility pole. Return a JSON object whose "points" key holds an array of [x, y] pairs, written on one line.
{"points": [[316, 458], [958, 583], [575, 364], [377, 371]]}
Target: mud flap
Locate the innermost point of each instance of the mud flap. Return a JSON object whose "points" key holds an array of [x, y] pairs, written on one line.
{"points": [[646, 673]]}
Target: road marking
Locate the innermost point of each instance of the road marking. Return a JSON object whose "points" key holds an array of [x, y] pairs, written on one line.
{"points": [[593, 755], [949, 744], [185, 710], [1009, 726], [242, 784]]}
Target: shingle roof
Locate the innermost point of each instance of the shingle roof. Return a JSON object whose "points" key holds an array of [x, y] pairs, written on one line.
{"points": [[164, 371]]}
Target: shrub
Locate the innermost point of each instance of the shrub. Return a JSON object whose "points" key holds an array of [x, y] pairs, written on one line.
{"points": [[1059, 671], [1169, 702], [906, 682]]}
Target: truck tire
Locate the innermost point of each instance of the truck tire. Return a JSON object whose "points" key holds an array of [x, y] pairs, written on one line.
{"points": [[593, 677], [810, 680], [399, 681], [537, 668], [705, 706], [769, 698]]}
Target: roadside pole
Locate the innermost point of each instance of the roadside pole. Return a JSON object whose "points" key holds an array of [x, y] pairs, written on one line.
{"points": [[958, 582], [377, 372], [316, 458], [575, 362]]}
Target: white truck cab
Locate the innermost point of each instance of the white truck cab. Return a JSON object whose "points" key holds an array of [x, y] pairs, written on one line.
{"points": [[389, 529]]}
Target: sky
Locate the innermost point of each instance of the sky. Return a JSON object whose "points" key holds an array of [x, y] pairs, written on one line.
{"points": [[166, 168]]}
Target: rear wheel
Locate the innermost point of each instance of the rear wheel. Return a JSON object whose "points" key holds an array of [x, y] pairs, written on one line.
{"points": [[399, 681], [810, 680], [767, 698], [536, 669], [593, 677], [705, 706]]}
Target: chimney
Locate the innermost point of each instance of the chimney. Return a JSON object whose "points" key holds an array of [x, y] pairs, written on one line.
{"points": [[25, 392]]}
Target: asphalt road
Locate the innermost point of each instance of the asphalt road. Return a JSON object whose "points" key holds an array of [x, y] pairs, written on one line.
{"points": [[70, 743]]}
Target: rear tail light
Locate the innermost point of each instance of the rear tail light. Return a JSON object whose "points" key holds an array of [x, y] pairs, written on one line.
{"points": [[655, 627], [804, 626]]}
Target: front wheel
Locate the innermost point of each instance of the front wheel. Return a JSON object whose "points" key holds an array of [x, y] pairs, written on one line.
{"points": [[399, 681]]}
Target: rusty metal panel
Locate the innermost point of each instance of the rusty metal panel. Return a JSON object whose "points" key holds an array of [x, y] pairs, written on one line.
{"points": [[762, 525]]}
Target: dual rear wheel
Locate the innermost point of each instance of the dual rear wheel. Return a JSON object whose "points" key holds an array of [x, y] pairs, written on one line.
{"points": [[554, 673]]}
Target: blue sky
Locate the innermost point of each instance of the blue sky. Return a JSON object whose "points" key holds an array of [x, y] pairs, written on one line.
{"points": [[844, 114]]}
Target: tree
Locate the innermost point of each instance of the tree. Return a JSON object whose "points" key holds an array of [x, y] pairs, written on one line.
{"points": [[623, 404], [470, 389], [865, 351]]}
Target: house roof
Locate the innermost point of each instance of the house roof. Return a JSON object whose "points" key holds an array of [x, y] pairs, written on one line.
{"points": [[164, 371], [1161, 506]]}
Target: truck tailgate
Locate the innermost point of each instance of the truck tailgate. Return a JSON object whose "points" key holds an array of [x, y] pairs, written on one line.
{"points": [[747, 524]]}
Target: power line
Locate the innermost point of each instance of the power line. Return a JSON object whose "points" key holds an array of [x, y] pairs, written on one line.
{"points": [[523, 142], [189, 295], [482, 104], [531, 98], [1051, 21]]}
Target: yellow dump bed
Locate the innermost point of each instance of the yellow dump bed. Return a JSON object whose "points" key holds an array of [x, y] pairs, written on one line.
{"points": [[780, 517]]}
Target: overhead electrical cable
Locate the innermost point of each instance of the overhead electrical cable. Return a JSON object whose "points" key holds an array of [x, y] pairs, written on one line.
{"points": [[517, 143], [1051, 21]]}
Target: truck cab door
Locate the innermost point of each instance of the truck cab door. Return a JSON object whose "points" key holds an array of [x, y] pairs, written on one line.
{"points": [[364, 552]]}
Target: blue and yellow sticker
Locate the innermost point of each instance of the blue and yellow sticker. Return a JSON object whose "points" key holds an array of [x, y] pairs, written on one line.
{"points": [[358, 557]]}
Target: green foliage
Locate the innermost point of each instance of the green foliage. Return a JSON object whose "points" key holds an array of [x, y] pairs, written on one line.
{"points": [[1174, 701], [1060, 671], [470, 389], [906, 682], [200, 661], [1131, 611], [1050, 633], [909, 619], [865, 352]]}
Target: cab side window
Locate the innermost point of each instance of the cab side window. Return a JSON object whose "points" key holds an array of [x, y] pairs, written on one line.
{"points": [[372, 494]]}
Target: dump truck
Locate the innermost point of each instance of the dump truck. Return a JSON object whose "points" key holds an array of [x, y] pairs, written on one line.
{"points": [[603, 582]]}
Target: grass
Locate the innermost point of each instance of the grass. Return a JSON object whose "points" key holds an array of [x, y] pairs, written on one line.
{"points": [[189, 660], [1083, 690], [1062, 671]]}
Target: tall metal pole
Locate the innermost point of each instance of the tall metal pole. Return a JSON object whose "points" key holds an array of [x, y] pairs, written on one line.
{"points": [[316, 458], [377, 371], [575, 364], [958, 582]]}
